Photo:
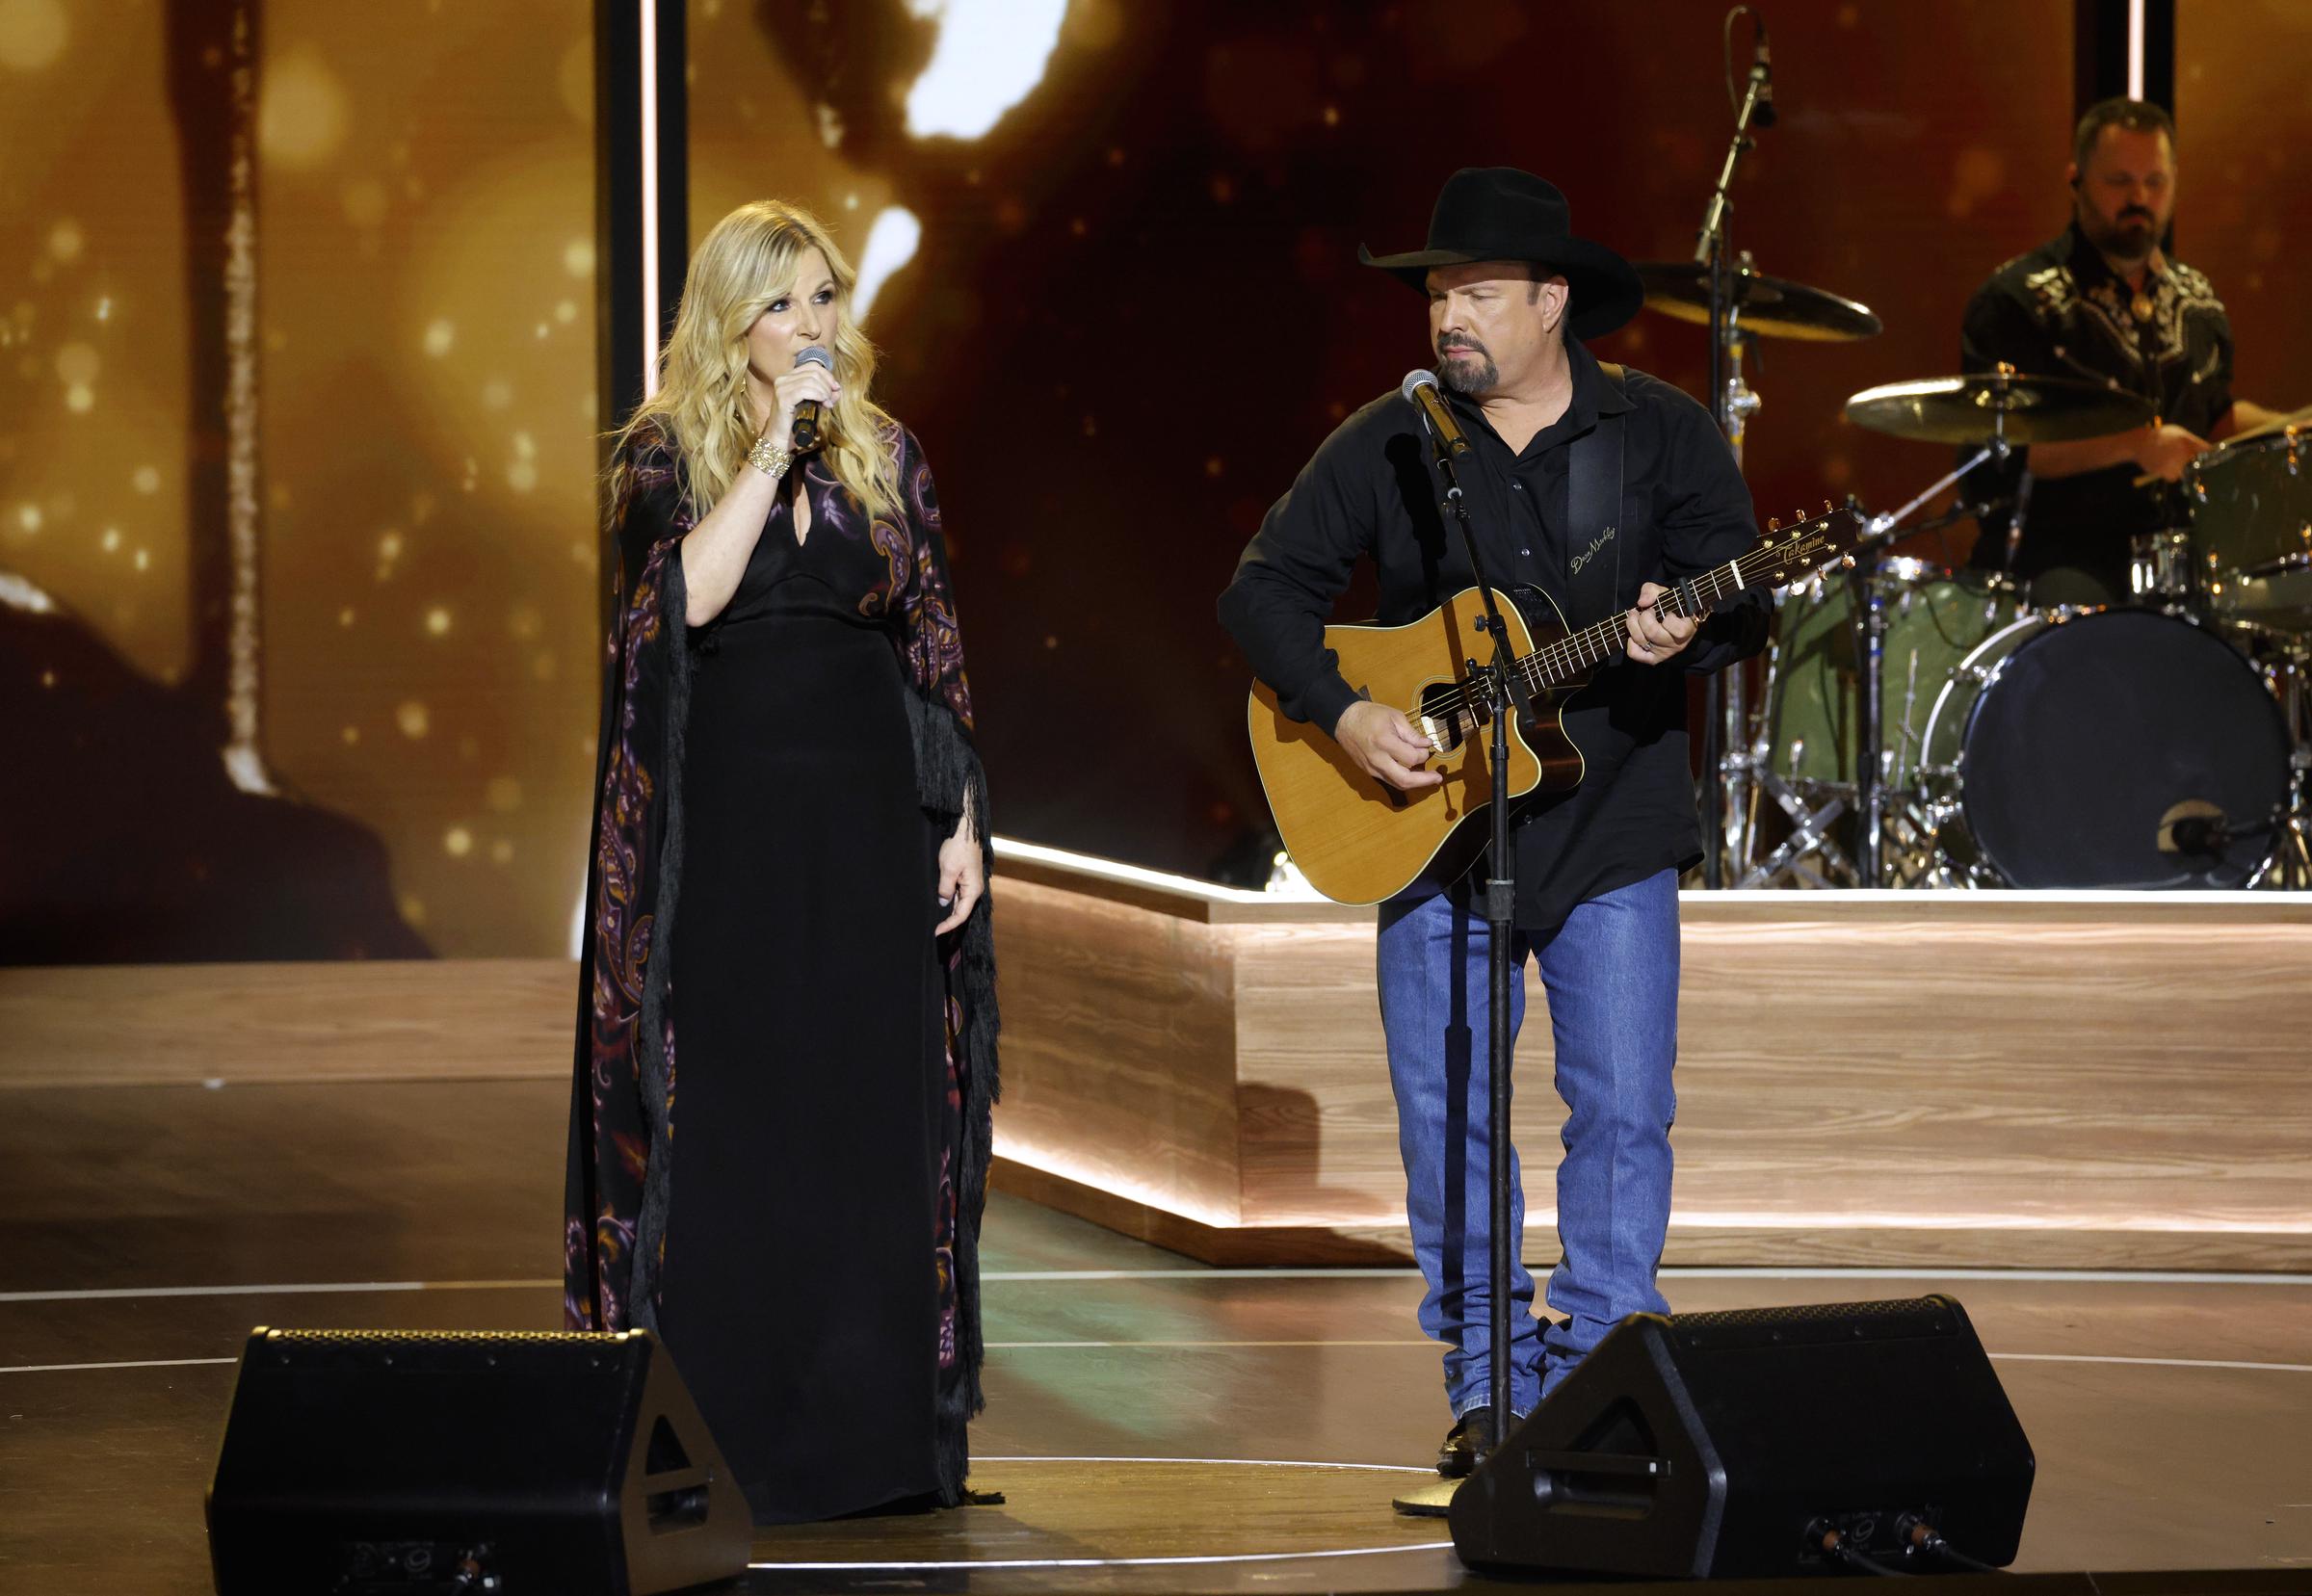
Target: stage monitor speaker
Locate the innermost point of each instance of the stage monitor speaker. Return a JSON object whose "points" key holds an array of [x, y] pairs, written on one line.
{"points": [[1727, 1445], [411, 1462]]}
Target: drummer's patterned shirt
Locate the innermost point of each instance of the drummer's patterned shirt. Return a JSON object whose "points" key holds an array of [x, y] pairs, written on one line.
{"points": [[2061, 311]]}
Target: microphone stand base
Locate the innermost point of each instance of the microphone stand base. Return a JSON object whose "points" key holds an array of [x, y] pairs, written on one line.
{"points": [[1433, 1500]]}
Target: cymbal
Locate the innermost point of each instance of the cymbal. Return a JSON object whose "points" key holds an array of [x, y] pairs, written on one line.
{"points": [[1963, 409], [1771, 306]]}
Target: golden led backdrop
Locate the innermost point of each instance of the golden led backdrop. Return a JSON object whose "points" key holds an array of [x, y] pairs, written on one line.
{"points": [[424, 404], [425, 549], [92, 311]]}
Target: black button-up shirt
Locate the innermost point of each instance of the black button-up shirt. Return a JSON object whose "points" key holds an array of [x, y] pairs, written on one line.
{"points": [[2061, 311], [1373, 490]]}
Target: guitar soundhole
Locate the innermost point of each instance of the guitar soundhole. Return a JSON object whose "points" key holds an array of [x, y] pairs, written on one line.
{"points": [[1449, 715]]}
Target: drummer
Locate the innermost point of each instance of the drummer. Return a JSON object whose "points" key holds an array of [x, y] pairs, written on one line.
{"points": [[2104, 300]]}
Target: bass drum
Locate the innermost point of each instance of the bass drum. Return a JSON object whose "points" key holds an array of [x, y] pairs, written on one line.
{"points": [[2063, 747]]}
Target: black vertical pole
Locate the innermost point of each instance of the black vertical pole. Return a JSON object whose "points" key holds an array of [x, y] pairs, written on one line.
{"points": [[2159, 53], [642, 150], [637, 120], [2099, 52]]}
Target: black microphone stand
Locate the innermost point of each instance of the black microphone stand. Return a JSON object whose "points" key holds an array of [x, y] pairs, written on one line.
{"points": [[1712, 247], [1503, 698]]}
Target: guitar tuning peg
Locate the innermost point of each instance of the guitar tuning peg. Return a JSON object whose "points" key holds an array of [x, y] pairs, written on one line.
{"points": [[1825, 507], [1773, 523], [1848, 561]]}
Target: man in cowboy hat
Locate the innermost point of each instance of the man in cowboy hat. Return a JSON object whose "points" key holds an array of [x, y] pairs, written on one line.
{"points": [[1597, 485]]}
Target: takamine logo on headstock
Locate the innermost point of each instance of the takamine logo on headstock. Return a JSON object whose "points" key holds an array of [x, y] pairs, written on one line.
{"points": [[1783, 557]]}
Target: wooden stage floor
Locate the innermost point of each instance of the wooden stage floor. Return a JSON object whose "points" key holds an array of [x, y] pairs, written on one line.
{"points": [[1157, 1425]]}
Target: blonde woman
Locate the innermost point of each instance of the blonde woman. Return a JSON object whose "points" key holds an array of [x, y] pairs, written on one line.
{"points": [[787, 954]]}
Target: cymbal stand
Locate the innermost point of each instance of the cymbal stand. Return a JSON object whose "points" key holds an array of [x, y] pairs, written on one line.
{"points": [[1739, 758], [1710, 247], [1870, 655]]}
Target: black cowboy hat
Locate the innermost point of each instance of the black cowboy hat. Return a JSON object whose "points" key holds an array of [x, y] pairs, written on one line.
{"points": [[1499, 213]]}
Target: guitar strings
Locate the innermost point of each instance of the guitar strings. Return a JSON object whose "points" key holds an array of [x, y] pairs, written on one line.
{"points": [[1556, 661]]}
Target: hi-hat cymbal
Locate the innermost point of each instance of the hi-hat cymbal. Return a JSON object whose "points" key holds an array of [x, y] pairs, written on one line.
{"points": [[1969, 410], [1771, 306]]}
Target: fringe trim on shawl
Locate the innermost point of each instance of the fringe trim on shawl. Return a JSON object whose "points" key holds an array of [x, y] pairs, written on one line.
{"points": [[650, 1050], [948, 774]]}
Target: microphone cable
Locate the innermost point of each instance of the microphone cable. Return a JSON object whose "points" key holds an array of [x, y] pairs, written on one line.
{"points": [[1834, 1545], [1925, 1537]]}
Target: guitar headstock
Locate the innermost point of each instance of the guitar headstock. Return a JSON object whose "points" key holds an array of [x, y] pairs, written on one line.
{"points": [[1791, 553]]}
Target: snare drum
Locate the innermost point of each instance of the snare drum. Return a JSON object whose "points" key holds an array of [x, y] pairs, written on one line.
{"points": [[2064, 745]]}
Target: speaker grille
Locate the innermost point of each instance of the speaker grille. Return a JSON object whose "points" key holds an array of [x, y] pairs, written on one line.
{"points": [[446, 1350], [444, 1338], [1814, 1324]]}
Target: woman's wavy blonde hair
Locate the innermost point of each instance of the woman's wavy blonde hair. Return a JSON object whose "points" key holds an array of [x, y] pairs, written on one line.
{"points": [[750, 259]]}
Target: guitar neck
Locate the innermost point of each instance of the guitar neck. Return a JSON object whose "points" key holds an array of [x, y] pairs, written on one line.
{"points": [[1578, 651]]}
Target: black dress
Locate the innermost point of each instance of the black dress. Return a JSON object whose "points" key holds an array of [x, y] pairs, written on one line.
{"points": [[810, 1060], [780, 1128]]}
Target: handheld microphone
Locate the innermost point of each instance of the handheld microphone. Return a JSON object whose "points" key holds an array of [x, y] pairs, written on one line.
{"points": [[1420, 390], [806, 414], [1762, 68]]}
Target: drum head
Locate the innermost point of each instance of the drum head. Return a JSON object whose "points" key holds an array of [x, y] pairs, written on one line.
{"points": [[2092, 734]]}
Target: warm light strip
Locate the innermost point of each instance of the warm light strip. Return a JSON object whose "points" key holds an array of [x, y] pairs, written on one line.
{"points": [[1112, 870], [1927, 902], [1109, 1181], [650, 316], [1150, 1195], [2135, 49]]}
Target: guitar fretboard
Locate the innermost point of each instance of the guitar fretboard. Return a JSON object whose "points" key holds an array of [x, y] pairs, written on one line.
{"points": [[1569, 656], [1781, 559]]}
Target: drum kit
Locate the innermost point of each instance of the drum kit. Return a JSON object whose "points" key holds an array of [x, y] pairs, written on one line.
{"points": [[1915, 725]]}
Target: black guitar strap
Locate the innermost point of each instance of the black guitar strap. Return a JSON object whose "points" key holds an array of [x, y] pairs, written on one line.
{"points": [[1594, 482]]}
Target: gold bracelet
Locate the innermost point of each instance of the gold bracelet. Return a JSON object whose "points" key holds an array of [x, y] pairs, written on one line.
{"points": [[769, 457]]}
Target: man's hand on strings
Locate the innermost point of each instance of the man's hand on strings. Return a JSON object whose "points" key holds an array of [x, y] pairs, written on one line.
{"points": [[1385, 745], [1658, 638]]}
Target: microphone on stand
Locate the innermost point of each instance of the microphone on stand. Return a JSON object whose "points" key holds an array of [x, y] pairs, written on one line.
{"points": [[805, 437], [1751, 111], [2198, 829], [1762, 70], [1420, 389]]}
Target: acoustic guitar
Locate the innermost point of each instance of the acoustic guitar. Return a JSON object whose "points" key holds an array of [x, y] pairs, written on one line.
{"points": [[1359, 840]]}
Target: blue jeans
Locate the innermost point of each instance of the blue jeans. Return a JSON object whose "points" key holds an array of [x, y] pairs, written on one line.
{"points": [[1612, 975]]}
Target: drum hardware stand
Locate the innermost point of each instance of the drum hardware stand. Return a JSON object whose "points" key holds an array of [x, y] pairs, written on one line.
{"points": [[1870, 654], [1810, 835], [1810, 825], [1738, 759], [2289, 869]]}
